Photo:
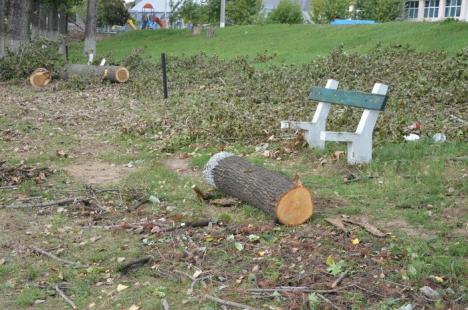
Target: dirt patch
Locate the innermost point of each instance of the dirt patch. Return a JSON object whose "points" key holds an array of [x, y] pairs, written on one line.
{"points": [[181, 166], [97, 172], [399, 225]]}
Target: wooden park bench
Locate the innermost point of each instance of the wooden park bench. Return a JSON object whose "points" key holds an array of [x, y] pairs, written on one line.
{"points": [[359, 142]]}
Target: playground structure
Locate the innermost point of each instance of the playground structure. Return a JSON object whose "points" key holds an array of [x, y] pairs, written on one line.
{"points": [[150, 14]]}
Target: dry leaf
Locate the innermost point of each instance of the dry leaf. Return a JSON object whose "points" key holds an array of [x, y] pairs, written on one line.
{"points": [[337, 222], [355, 241]]}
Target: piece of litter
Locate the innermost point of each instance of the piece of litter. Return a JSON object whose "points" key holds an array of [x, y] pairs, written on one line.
{"points": [[121, 287], [412, 137], [120, 259], [154, 199], [439, 138]]}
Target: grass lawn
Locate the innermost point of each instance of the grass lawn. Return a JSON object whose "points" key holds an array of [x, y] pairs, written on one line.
{"points": [[290, 44]]}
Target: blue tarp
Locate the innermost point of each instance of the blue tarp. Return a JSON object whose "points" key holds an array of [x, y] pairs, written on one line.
{"points": [[352, 22]]}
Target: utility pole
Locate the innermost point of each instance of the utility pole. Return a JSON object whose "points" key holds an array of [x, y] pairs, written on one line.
{"points": [[223, 14]]}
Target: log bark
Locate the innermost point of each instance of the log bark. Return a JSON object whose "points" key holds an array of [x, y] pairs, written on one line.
{"points": [[40, 77], [290, 203], [90, 28], [18, 23], [111, 73]]}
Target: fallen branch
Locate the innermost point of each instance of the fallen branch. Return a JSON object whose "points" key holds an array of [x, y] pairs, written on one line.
{"points": [[46, 204], [340, 278], [50, 255], [366, 225], [229, 303], [65, 297], [303, 289], [328, 301], [8, 187], [202, 223], [126, 268]]}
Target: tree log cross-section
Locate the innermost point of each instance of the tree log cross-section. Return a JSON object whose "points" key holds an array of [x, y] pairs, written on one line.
{"points": [[111, 73], [40, 77], [289, 202]]}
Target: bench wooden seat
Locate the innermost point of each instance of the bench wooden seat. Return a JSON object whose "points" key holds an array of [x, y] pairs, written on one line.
{"points": [[360, 141]]}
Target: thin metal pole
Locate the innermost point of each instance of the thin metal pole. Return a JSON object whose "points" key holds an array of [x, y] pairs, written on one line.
{"points": [[66, 52], [164, 74]]}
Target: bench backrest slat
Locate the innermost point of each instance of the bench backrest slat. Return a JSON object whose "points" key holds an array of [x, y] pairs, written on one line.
{"points": [[350, 98]]}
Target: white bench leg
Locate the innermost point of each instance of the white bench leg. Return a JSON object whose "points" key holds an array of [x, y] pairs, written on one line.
{"points": [[313, 129], [360, 150]]}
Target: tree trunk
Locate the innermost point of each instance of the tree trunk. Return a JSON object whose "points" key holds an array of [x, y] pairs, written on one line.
{"points": [[275, 194], [2, 28], [52, 23], [35, 19], [90, 29], [111, 73], [18, 23], [62, 28], [42, 21]]}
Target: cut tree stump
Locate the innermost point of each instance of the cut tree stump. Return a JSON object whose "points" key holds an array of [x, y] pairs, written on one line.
{"points": [[40, 77], [111, 73], [287, 201]]}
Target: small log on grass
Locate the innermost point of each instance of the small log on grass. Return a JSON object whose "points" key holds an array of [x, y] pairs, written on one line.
{"points": [[111, 73], [289, 202], [40, 77]]}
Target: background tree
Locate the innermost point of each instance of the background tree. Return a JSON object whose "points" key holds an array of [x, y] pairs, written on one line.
{"points": [[380, 10], [112, 12], [241, 12], [324, 11], [90, 29], [286, 13], [192, 12], [2, 28], [19, 17]]}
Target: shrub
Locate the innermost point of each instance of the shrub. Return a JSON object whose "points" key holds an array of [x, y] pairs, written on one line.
{"points": [[41, 53], [242, 12], [286, 13], [323, 11], [380, 10]]}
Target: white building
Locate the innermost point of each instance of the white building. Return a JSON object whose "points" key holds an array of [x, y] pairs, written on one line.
{"points": [[433, 10]]}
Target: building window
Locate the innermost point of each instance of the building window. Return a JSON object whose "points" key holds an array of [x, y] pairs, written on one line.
{"points": [[431, 8], [412, 9], [453, 8]]}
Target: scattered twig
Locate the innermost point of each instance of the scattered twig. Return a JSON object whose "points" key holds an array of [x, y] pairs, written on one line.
{"points": [[340, 278], [458, 119], [46, 204], [165, 304], [65, 297], [368, 291], [303, 289], [8, 187], [50, 255], [202, 223], [126, 268], [328, 301], [229, 303]]}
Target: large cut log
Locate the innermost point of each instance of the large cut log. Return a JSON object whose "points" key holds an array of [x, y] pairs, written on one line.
{"points": [[289, 202], [40, 77], [111, 73]]}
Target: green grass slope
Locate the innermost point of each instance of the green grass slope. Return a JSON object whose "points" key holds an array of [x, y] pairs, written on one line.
{"points": [[290, 43]]}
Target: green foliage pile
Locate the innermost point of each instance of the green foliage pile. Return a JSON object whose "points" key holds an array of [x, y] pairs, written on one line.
{"points": [[235, 102], [286, 13], [41, 53]]}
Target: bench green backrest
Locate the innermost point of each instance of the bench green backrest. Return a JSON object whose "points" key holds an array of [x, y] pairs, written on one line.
{"points": [[350, 98]]}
